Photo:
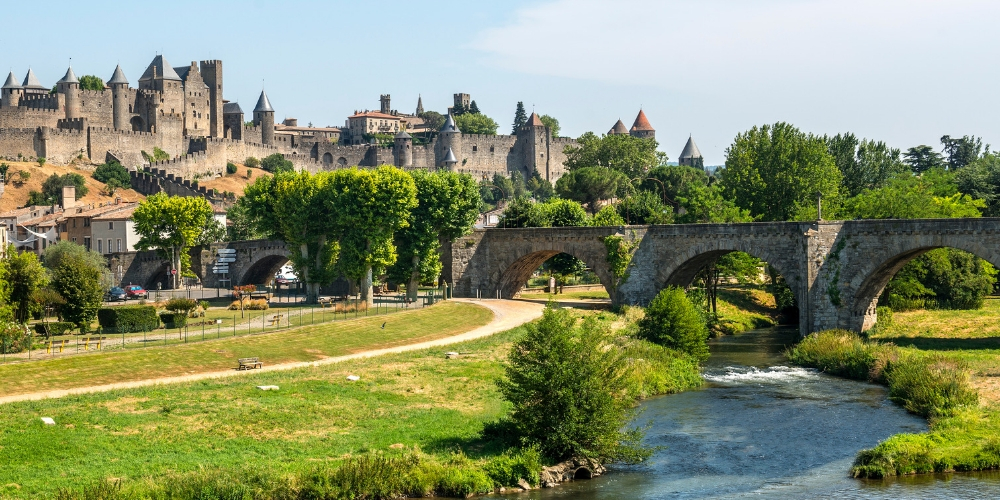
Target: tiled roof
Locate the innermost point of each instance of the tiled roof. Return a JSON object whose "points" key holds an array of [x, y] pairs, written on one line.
{"points": [[534, 121], [375, 114], [11, 82], [31, 81], [618, 129], [231, 107], [641, 123], [69, 77]]}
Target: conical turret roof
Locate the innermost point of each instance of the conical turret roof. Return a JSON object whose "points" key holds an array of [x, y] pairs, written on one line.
{"points": [[161, 69], [450, 157], [534, 120], [690, 150], [641, 123], [449, 125], [31, 81], [11, 82], [263, 105], [118, 77], [402, 135], [69, 77], [618, 129]]}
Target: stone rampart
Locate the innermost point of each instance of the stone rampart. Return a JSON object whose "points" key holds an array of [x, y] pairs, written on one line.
{"points": [[23, 141]]}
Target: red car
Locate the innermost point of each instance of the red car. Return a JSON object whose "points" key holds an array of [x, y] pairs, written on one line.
{"points": [[135, 292]]}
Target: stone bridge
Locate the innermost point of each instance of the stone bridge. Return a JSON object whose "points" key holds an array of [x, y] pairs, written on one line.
{"points": [[837, 269]]}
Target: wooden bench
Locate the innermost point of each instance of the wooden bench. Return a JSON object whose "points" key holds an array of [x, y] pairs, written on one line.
{"points": [[56, 343], [97, 341], [276, 319], [249, 363]]}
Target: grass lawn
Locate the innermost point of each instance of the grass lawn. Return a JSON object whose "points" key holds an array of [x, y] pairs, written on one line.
{"points": [[306, 343], [742, 309], [411, 400]]}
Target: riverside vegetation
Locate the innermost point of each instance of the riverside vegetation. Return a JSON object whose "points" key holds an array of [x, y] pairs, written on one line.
{"points": [[415, 424]]}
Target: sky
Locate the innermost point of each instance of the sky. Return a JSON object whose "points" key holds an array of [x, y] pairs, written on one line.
{"points": [[902, 71]]}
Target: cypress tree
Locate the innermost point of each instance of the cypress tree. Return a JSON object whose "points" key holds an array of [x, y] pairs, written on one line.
{"points": [[473, 108], [520, 117]]}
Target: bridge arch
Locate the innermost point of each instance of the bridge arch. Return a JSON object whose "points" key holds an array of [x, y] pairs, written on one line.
{"points": [[262, 270], [516, 274]]}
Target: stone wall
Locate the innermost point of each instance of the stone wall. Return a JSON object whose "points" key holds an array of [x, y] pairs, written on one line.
{"points": [[23, 141], [63, 146], [29, 118], [126, 146], [97, 106]]}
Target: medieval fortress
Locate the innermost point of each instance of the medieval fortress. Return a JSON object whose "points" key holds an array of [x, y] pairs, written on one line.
{"points": [[182, 110]]}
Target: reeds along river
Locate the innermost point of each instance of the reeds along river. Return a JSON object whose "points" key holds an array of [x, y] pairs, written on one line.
{"points": [[764, 429]]}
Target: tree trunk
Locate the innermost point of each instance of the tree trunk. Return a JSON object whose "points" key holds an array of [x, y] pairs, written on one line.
{"points": [[312, 289], [175, 277], [366, 287], [414, 284]]}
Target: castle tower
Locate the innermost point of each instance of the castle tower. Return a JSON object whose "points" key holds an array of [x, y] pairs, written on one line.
{"points": [[534, 138], [211, 73], [641, 128], [32, 85], [402, 150], [119, 99], [691, 156], [420, 105], [384, 104], [450, 162], [11, 92], [449, 139], [232, 121], [70, 87], [618, 129], [263, 116]]}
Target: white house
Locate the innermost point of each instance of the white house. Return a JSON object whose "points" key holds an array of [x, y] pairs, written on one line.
{"points": [[114, 231]]}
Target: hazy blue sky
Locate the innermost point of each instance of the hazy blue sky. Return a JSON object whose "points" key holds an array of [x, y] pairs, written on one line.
{"points": [[903, 71]]}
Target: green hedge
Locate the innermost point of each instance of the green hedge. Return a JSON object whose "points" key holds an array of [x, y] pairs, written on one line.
{"points": [[55, 328], [126, 319], [173, 319]]}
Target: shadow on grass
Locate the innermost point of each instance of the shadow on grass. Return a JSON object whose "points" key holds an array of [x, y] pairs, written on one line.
{"points": [[496, 437], [743, 299], [935, 344]]}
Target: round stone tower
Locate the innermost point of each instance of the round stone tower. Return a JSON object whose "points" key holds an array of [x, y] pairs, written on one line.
{"points": [[11, 92], [263, 116], [449, 139], [119, 99], [69, 86], [402, 150]]}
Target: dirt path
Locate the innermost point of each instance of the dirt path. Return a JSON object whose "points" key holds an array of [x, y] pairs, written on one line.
{"points": [[507, 314]]}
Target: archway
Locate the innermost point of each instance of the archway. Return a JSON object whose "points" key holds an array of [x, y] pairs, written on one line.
{"points": [[138, 125], [327, 159], [516, 275], [262, 271]]}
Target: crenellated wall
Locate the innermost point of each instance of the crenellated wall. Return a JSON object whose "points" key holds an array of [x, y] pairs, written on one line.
{"points": [[23, 141], [126, 146]]}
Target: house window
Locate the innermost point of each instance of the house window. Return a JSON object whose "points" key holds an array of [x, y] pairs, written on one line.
{"points": [[74, 240], [99, 249], [475, 148], [86, 242], [111, 225], [109, 245], [119, 245]]}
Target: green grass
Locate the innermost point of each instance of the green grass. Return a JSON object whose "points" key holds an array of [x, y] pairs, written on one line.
{"points": [[308, 343], [202, 436], [742, 309]]}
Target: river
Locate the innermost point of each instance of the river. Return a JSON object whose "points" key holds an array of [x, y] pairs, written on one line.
{"points": [[762, 428]]}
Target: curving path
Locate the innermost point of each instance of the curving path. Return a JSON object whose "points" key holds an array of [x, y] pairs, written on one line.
{"points": [[507, 314]]}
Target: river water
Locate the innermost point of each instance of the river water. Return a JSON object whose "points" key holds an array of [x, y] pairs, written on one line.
{"points": [[762, 428]]}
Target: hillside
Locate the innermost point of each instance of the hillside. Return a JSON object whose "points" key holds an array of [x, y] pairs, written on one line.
{"points": [[15, 196], [233, 183]]}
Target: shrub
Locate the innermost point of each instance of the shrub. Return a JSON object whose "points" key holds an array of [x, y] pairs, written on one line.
{"points": [[251, 305], [13, 337], [252, 162], [204, 305], [276, 163], [845, 354], [231, 168], [173, 319], [112, 170], [249, 173], [41, 161], [54, 328], [128, 319], [513, 465], [180, 304], [673, 322], [931, 386], [569, 391], [365, 476]]}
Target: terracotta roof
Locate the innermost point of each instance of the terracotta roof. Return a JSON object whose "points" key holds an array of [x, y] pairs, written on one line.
{"points": [[100, 210], [618, 129], [123, 212], [375, 114], [534, 121], [641, 122]]}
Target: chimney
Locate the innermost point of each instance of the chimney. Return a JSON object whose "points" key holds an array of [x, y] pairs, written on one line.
{"points": [[118, 201], [68, 197]]}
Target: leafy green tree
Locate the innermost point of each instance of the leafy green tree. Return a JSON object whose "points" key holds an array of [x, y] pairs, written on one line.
{"points": [[863, 164], [52, 188], [945, 277], [3, 172], [447, 207], [55, 254], [79, 282], [172, 225], [591, 185], [473, 108], [476, 123], [6, 310], [632, 156], [697, 204], [569, 392], [962, 152], [241, 227], [91, 82], [607, 216], [670, 181], [251, 162], [540, 189], [26, 276], [521, 212], [775, 172], [564, 213], [673, 321], [644, 207], [112, 170], [276, 163], [213, 232], [910, 198], [552, 124], [922, 158], [433, 120], [981, 179], [520, 187], [520, 118]]}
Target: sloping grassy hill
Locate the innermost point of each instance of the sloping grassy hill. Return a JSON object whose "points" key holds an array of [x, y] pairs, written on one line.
{"points": [[15, 194]]}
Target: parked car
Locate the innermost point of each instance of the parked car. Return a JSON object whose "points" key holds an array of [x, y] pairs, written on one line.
{"points": [[284, 279], [136, 292], [115, 294]]}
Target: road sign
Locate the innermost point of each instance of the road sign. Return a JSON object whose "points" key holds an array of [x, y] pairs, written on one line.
{"points": [[220, 271], [223, 267], [173, 271], [225, 260], [226, 250]]}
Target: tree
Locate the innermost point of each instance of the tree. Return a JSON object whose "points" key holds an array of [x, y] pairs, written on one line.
{"points": [[947, 278], [620, 250], [91, 82], [551, 123], [26, 276], [911, 198], [473, 108], [669, 181], [705, 204], [607, 216], [447, 207], [477, 123], [251, 162], [276, 163], [3, 171], [564, 213], [775, 172], [567, 385], [520, 118], [540, 189], [591, 185], [242, 293], [213, 232], [863, 164], [433, 120], [112, 187], [962, 152], [521, 212], [673, 321], [981, 179], [922, 158], [79, 282], [632, 156], [52, 188], [55, 254], [6, 311], [241, 227], [172, 225], [644, 207]]}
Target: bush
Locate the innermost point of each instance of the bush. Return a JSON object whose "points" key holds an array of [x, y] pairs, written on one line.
{"points": [[252, 162], [513, 465], [365, 476], [231, 168], [128, 319], [173, 319], [112, 170], [54, 328], [673, 322], [845, 354], [180, 304], [13, 337], [250, 305], [569, 391], [276, 163], [931, 386]]}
